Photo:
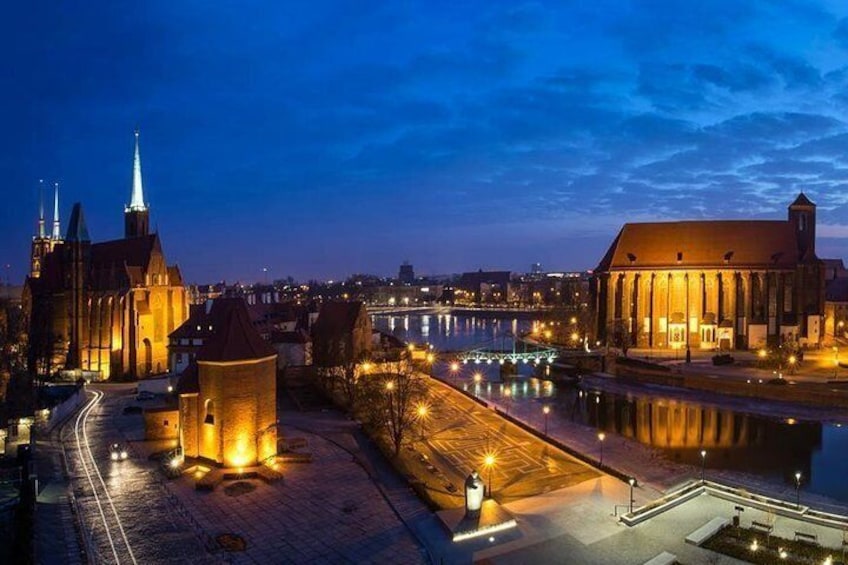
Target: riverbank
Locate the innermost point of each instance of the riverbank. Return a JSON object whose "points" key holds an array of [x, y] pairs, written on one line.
{"points": [[741, 383], [654, 471]]}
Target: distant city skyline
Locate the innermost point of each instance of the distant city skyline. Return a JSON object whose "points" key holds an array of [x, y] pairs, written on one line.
{"points": [[333, 138]]}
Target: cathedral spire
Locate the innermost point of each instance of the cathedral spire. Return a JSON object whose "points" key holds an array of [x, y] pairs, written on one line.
{"points": [[137, 199], [42, 232], [57, 231]]}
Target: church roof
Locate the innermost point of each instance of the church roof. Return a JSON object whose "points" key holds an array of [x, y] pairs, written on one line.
{"points": [[234, 338], [802, 200], [133, 251], [770, 244]]}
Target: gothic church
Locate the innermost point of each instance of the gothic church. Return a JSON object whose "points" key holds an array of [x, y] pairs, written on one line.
{"points": [[103, 307]]}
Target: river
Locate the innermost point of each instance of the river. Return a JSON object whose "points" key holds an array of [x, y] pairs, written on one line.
{"points": [[679, 424]]}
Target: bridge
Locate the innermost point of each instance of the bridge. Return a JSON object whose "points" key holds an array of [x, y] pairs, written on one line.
{"points": [[521, 352]]}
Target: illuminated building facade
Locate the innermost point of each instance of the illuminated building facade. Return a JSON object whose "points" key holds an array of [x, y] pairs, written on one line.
{"points": [[103, 307], [228, 396], [712, 284]]}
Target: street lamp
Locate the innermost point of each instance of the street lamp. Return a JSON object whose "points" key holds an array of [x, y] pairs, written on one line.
{"points": [[835, 362], [798, 490], [703, 463], [454, 368], [489, 461], [477, 378], [430, 358], [506, 394], [422, 416], [601, 437], [546, 410], [792, 360], [632, 482]]}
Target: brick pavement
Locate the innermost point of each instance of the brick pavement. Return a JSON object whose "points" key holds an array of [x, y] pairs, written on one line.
{"points": [[326, 511]]}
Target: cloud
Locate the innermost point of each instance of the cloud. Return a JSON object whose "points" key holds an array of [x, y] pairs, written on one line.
{"points": [[840, 34]]}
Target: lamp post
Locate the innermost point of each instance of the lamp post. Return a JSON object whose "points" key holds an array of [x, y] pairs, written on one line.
{"points": [[546, 410], [489, 461], [632, 482], [835, 362], [798, 489], [507, 395], [454, 368], [792, 360], [477, 378], [430, 359], [601, 437], [703, 463], [422, 417]]}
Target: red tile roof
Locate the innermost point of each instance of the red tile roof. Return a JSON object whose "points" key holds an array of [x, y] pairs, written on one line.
{"points": [[189, 383], [234, 338], [337, 318], [769, 244]]}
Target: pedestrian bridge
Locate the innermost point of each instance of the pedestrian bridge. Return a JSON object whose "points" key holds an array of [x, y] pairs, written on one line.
{"points": [[521, 352]]}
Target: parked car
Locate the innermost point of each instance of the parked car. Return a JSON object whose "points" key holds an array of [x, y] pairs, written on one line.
{"points": [[145, 395], [117, 452]]}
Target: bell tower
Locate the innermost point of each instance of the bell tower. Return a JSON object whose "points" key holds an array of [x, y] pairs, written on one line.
{"points": [[136, 215], [802, 216]]}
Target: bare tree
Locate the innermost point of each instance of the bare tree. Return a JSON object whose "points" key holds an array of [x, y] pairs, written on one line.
{"points": [[390, 398]]}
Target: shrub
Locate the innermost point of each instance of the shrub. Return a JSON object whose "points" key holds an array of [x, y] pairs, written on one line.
{"points": [[723, 359]]}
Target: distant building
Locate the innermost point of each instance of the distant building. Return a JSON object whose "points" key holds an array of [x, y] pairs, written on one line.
{"points": [[341, 334], [484, 287], [103, 307], [228, 397], [713, 284], [406, 275]]}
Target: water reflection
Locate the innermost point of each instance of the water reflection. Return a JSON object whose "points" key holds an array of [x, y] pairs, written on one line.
{"points": [[737, 441], [767, 447]]}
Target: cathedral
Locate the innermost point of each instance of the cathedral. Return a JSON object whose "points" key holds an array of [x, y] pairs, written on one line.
{"points": [[713, 284], [105, 308]]}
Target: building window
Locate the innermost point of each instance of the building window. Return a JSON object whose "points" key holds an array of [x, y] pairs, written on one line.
{"points": [[179, 357], [210, 412], [165, 423]]}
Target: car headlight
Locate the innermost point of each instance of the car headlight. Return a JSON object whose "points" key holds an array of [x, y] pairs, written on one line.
{"points": [[123, 455], [114, 456]]}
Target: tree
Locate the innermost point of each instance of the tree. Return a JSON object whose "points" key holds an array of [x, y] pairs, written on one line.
{"points": [[390, 399], [344, 377], [623, 334]]}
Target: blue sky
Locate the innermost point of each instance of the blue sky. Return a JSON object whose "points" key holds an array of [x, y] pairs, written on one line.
{"points": [[324, 138]]}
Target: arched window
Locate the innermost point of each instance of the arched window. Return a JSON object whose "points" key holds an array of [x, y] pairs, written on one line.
{"points": [[210, 412], [802, 222]]}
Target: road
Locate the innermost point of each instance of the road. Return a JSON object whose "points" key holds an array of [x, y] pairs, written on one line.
{"points": [[123, 504]]}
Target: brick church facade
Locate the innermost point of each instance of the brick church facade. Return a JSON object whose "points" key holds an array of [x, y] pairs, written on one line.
{"points": [[103, 307], [713, 284]]}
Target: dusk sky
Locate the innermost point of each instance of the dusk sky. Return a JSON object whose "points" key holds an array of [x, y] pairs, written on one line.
{"points": [[325, 138]]}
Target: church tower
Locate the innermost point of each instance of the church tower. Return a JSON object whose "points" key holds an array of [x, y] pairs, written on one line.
{"points": [[41, 244], [136, 215], [802, 216], [77, 250]]}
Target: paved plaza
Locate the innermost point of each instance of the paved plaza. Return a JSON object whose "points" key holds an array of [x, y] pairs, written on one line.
{"points": [[461, 432], [326, 511]]}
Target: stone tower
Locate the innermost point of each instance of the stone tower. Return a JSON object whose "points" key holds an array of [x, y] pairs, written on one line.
{"points": [[41, 243], [802, 216], [77, 248]]}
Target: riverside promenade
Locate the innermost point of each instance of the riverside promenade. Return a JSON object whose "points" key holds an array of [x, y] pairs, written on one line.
{"points": [[582, 521]]}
